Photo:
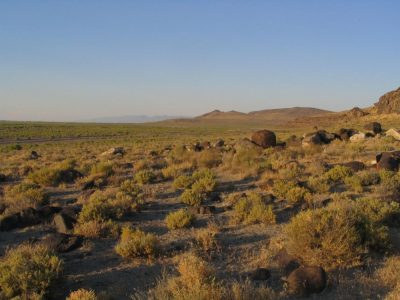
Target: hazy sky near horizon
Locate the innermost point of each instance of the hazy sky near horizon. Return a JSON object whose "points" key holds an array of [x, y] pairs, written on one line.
{"points": [[76, 60]]}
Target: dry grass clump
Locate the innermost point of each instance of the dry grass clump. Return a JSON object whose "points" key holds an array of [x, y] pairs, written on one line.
{"points": [[291, 191], [251, 209], [336, 236], [145, 177], [183, 182], [24, 195], [389, 186], [179, 219], [97, 229], [196, 280], [28, 272], [102, 169], [99, 207], [174, 170], [135, 243], [338, 174], [63, 172], [82, 294], [206, 238], [204, 182]]}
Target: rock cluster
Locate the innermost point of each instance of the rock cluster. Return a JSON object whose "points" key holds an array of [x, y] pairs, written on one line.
{"points": [[389, 103]]}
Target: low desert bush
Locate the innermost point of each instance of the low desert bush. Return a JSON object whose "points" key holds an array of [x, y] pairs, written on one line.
{"points": [[192, 197], [25, 195], [337, 235], [100, 208], [179, 219], [389, 186], [206, 238], [251, 209], [318, 184], [145, 177], [28, 272], [82, 294], [135, 243], [209, 158], [102, 169], [63, 172], [97, 229], [183, 182], [175, 170], [297, 194], [338, 174], [354, 183]]}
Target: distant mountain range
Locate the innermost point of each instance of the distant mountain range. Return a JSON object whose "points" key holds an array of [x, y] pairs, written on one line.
{"points": [[133, 119]]}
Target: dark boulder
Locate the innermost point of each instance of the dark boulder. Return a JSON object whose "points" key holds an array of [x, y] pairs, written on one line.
{"points": [[3, 177], [219, 144], [62, 242], [320, 137], [48, 211], [305, 281], [374, 127], [388, 161], [9, 222], [264, 138], [34, 155], [27, 217], [260, 274], [64, 222], [286, 262], [346, 133]]}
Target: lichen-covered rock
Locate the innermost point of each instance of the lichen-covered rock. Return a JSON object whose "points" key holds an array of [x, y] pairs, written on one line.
{"points": [[305, 281], [264, 138]]}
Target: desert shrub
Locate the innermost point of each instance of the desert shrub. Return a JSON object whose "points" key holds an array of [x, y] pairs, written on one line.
{"points": [[196, 280], [389, 184], [174, 171], [179, 219], [247, 290], [204, 185], [135, 242], [192, 197], [28, 272], [25, 195], [129, 197], [251, 209], [97, 229], [183, 182], [82, 294], [209, 158], [281, 187], [145, 177], [206, 238], [326, 237], [291, 171], [354, 183], [63, 172], [369, 178], [336, 236], [389, 274], [318, 184], [99, 208], [297, 194], [338, 174], [103, 169]]}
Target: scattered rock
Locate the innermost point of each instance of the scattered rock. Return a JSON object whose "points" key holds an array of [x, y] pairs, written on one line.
{"points": [[286, 261], [64, 222], [374, 127], [389, 103], [205, 145], [62, 243], [24, 218], [305, 281], [388, 161], [358, 137], [320, 137], [264, 138], [48, 211], [260, 274], [394, 133], [34, 155], [346, 133], [219, 144], [114, 151]]}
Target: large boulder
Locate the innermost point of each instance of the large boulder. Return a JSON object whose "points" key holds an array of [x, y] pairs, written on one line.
{"points": [[260, 274], [62, 242], [394, 133], [388, 161], [27, 217], [305, 281], [346, 133], [264, 138], [320, 137], [358, 137], [374, 127], [114, 151], [64, 222], [389, 103], [286, 262], [245, 145]]}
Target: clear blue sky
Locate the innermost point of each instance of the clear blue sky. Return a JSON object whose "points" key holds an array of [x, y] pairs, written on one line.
{"points": [[74, 60]]}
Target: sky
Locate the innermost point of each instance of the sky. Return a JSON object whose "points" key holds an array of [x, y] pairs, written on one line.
{"points": [[71, 60]]}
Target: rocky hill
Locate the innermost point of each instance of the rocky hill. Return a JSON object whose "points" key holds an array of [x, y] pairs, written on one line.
{"points": [[389, 103]]}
